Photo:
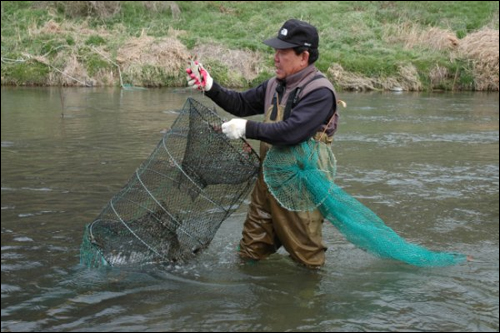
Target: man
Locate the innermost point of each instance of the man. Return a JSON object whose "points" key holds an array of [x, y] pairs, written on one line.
{"points": [[298, 104]]}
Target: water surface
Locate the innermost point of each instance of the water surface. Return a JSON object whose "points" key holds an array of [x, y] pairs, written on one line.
{"points": [[426, 163]]}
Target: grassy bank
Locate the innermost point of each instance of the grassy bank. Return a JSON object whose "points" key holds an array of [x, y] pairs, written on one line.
{"points": [[363, 45]]}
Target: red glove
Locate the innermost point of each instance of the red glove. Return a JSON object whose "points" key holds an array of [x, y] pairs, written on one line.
{"points": [[198, 77]]}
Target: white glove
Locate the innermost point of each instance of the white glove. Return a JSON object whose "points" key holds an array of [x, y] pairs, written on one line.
{"points": [[198, 77], [235, 128]]}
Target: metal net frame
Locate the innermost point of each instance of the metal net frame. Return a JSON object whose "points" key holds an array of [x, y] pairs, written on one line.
{"points": [[175, 202]]}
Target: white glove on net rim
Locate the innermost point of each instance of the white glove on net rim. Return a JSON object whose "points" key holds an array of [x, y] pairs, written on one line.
{"points": [[235, 128]]}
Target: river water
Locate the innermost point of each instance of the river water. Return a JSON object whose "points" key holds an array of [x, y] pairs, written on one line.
{"points": [[426, 163]]}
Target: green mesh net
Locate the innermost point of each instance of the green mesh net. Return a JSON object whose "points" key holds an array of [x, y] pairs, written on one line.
{"points": [[288, 182], [177, 199], [301, 169]]}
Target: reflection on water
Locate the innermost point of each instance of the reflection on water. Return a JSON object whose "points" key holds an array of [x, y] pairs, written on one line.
{"points": [[427, 164]]}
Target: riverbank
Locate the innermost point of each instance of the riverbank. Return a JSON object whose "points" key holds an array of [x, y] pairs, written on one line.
{"points": [[378, 45]]}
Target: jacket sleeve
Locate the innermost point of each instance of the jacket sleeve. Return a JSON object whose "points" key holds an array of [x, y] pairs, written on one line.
{"points": [[308, 116], [240, 104]]}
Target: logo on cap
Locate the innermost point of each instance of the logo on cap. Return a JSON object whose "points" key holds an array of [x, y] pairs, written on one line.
{"points": [[284, 32]]}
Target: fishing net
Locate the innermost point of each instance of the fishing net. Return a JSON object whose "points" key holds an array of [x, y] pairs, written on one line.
{"points": [[177, 199], [301, 169]]}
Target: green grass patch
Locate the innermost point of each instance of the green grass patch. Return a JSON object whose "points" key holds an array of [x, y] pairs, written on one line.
{"points": [[351, 34]]}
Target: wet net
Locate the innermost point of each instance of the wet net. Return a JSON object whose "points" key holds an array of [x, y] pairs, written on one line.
{"points": [[301, 169], [177, 199]]}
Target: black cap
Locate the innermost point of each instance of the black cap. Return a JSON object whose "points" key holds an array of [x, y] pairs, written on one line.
{"points": [[295, 33]]}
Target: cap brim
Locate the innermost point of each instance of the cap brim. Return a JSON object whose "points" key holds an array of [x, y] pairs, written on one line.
{"points": [[279, 44]]}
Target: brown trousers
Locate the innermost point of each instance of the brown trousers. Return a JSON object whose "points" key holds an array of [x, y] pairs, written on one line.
{"points": [[269, 226]]}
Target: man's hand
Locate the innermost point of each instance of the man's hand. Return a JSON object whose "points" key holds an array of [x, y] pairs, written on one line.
{"points": [[198, 77], [235, 128]]}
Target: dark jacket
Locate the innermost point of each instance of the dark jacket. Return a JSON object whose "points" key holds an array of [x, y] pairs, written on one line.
{"points": [[315, 107]]}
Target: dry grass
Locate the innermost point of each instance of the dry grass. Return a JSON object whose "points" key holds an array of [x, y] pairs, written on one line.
{"points": [[481, 48], [406, 80], [244, 65], [439, 76], [412, 35], [348, 80], [164, 58], [161, 6], [79, 31], [101, 9], [72, 68], [167, 53], [145, 60], [67, 68]]}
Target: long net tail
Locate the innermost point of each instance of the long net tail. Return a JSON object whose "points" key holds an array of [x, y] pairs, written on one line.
{"points": [[365, 229], [361, 226]]}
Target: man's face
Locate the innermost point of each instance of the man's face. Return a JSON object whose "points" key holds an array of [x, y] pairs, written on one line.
{"points": [[288, 63]]}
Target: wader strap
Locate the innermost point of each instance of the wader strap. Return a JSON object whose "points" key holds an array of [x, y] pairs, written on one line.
{"points": [[280, 89], [293, 99]]}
